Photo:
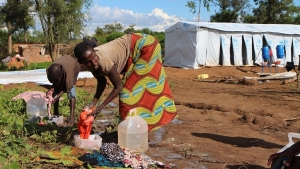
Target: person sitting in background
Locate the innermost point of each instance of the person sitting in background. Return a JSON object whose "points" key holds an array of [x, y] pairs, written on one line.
{"points": [[63, 73], [19, 58], [292, 162]]}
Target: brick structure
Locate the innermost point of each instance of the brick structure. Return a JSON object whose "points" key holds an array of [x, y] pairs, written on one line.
{"points": [[35, 52]]}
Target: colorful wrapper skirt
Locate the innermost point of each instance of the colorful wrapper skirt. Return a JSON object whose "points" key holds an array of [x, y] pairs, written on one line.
{"points": [[145, 86]]}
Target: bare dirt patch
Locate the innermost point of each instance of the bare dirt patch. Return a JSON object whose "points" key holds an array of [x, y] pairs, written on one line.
{"points": [[221, 124]]}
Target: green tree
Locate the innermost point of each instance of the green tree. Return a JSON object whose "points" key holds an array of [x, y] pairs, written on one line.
{"points": [[192, 6], [29, 37], [61, 20], [224, 16], [114, 27], [230, 10], [113, 36], [130, 29], [145, 30], [274, 12], [297, 19], [99, 31], [15, 15]]}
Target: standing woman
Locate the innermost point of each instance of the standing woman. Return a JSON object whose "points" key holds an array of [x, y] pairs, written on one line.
{"points": [[144, 85]]}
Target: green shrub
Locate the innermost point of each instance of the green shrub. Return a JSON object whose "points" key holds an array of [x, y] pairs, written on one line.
{"points": [[3, 67], [13, 138], [101, 40], [114, 35]]}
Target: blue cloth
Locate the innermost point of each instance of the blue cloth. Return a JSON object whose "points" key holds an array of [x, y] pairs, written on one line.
{"points": [[96, 158], [72, 93]]}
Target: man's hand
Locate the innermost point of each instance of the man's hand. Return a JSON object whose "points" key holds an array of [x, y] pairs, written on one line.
{"points": [[56, 97], [49, 92]]}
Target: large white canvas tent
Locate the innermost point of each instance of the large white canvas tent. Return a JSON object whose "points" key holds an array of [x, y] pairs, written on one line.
{"points": [[195, 44]]}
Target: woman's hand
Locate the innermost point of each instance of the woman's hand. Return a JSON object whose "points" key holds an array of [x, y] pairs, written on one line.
{"points": [[95, 112]]}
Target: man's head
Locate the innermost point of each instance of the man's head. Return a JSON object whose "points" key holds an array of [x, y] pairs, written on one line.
{"points": [[55, 74]]}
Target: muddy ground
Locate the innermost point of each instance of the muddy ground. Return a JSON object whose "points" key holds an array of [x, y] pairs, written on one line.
{"points": [[223, 123]]}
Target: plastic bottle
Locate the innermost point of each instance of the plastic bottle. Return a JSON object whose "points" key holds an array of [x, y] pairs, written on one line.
{"points": [[133, 133], [36, 107]]}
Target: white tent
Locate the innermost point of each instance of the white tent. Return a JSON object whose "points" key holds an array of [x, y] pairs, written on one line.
{"points": [[194, 44]]}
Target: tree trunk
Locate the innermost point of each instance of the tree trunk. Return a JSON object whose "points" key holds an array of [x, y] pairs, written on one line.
{"points": [[25, 36], [199, 11], [57, 50], [9, 44], [9, 38]]}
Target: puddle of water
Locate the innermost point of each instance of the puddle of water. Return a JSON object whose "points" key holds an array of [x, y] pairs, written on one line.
{"points": [[106, 112], [158, 152], [103, 121], [111, 104], [201, 154], [173, 156], [158, 134], [176, 121]]}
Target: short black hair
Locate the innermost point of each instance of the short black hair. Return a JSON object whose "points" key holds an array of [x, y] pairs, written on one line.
{"points": [[54, 72], [80, 49], [92, 43]]}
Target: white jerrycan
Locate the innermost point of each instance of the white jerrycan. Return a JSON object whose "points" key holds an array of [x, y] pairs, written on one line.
{"points": [[36, 107], [133, 133]]}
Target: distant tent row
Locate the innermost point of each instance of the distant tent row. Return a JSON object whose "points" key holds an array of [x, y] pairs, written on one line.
{"points": [[195, 44]]}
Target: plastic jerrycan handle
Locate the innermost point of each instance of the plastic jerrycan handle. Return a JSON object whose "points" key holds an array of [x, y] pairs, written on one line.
{"points": [[132, 111], [35, 95], [291, 135]]}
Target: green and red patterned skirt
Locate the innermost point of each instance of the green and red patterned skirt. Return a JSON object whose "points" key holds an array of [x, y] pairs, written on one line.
{"points": [[145, 86]]}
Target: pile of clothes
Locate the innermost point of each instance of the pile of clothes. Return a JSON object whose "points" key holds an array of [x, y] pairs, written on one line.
{"points": [[112, 155]]}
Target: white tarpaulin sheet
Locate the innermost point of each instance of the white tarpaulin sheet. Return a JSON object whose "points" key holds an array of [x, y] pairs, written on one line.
{"points": [[237, 49], [288, 48], [248, 45], [201, 47], [181, 56], [296, 46], [225, 44], [37, 76], [257, 42], [213, 49]]}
